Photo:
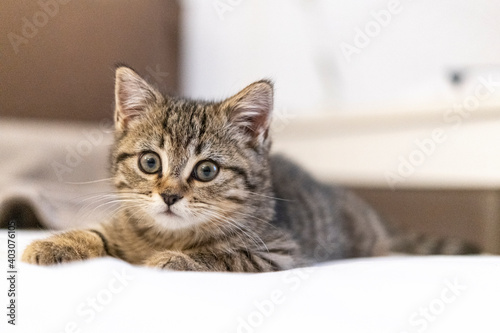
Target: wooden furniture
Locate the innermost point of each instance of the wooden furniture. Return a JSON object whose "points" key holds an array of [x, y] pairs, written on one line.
{"points": [[58, 56], [471, 215]]}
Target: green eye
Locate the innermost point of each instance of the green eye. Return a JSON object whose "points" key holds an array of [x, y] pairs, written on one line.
{"points": [[205, 171], [149, 163]]}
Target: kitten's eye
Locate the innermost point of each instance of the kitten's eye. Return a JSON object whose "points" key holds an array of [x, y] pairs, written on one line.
{"points": [[149, 163], [205, 171]]}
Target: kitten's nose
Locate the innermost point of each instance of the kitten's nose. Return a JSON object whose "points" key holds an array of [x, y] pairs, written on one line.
{"points": [[170, 199]]}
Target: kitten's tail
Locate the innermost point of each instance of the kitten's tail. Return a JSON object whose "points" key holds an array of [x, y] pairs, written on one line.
{"points": [[418, 244]]}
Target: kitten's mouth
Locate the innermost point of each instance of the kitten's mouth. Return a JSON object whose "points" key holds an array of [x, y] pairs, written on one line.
{"points": [[169, 212]]}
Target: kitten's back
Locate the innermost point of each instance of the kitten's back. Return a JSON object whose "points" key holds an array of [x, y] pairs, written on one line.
{"points": [[328, 222]]}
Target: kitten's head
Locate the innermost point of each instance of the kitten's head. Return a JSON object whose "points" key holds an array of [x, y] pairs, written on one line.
{"points": [[179, 163]]}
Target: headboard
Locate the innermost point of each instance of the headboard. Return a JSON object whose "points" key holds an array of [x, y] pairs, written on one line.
{"points": [[58, 57]]}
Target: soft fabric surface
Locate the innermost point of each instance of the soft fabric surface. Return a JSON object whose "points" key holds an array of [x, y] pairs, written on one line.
{"points": [[394, 294]]}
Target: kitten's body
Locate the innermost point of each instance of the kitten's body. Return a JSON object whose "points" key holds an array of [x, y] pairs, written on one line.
{"points": [[199, 191], [328, 222], [310, 222]]}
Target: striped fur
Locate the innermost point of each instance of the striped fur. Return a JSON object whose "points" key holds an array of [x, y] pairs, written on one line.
{"points": [[420, 244], [260, 213]]}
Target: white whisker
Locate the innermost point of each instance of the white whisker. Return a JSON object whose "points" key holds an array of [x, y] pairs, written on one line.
{"points": [[89, 182]]}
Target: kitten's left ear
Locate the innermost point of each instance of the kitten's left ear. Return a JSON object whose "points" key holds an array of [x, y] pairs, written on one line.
{"points": [[133, 97], [250, 109]]}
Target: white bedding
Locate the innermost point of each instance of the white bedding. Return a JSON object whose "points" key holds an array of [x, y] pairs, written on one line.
{"points": [[397, 294], [393, 294]]}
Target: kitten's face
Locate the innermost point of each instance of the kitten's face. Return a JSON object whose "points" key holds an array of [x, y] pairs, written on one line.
{"points": [[182, 163]]}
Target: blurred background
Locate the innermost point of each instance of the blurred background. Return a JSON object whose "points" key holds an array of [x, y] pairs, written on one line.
{"points": [[397, 99], [349, 57], [342, 56]]}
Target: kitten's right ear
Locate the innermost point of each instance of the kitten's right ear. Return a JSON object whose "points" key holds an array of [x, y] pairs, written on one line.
{"points": [[133, 97]]}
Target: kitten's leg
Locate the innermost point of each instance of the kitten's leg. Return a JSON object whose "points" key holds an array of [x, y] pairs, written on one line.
{"points": [[174, 260], [238, 261], [69, 246]]}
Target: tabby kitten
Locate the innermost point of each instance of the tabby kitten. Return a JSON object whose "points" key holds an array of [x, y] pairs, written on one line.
{"points": [[199, 191]]}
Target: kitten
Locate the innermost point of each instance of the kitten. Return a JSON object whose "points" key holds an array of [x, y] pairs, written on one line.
{"points": [[199, 191]]}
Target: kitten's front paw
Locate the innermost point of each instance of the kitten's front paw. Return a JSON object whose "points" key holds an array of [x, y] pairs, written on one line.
{"points": [[173, 260], [49, 252]]}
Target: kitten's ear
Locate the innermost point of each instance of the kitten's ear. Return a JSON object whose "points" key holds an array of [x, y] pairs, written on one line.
{"points": [[251, 108], [133, 96]]}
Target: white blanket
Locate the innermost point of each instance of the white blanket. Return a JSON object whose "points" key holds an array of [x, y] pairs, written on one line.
{"points": [[396, 294]]}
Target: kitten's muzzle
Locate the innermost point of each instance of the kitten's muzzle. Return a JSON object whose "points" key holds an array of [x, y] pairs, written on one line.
{"points": [[170, 199]]}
